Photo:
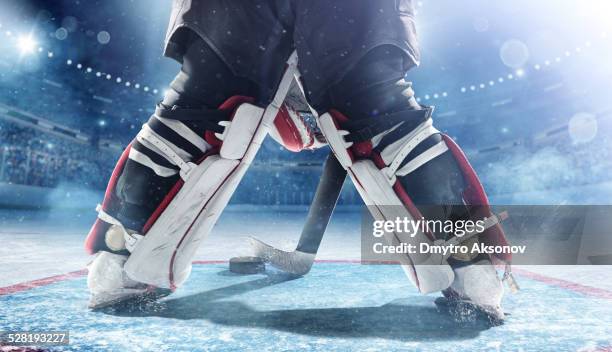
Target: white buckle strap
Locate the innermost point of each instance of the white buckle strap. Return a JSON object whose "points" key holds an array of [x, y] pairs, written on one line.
{"points": [[509, 279], [423, 159], [106, 217], [148, 135], [335, 139], [407, 144], [225, 125], [143, 159], [131, 239], [185, 132]]}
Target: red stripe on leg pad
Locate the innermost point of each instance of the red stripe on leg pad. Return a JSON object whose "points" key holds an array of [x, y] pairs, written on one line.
{"points": [[168, 198], [230, 104], [474, 194], [95, 239]]}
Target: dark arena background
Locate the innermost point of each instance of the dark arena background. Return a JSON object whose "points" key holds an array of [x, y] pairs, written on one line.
{"points": [[524, 86]]}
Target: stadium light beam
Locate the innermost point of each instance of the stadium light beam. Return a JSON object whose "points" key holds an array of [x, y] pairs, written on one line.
{"points": [[26, 44]]}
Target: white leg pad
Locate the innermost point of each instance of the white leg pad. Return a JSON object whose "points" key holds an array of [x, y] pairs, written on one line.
{"points": [[430, 273], [163, 257]]}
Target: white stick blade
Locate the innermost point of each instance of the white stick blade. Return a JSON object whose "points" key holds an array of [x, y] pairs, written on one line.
{"points": [[296, 262]]}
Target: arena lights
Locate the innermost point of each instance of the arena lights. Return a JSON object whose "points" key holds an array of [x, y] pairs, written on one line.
{"points": [[26, 44], [519, 72]]}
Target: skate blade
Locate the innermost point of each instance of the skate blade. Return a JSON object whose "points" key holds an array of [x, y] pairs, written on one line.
{"points": [[465, 311], [104, 300]]}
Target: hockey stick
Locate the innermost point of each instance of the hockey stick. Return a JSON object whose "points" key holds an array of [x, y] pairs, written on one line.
{"points": [[299, 261]]}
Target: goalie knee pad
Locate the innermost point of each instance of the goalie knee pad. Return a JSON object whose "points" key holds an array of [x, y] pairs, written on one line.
{"points": [[294, 130], [380, 153]]}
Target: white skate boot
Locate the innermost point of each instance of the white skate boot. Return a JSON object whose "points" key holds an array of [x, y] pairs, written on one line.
{"points": [[108, 283], [476, 287]]}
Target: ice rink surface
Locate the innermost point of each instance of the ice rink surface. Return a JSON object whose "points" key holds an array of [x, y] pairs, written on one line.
{"points": [[339, 306]]}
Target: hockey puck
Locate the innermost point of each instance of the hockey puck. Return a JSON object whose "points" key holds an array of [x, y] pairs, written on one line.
{"points": [[247, 265]]}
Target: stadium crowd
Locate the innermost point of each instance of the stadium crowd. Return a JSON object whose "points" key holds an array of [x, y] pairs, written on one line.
{"points": [[32, 157]]}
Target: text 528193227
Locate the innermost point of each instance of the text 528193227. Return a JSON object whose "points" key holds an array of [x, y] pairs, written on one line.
{"points": [[34, 338]]}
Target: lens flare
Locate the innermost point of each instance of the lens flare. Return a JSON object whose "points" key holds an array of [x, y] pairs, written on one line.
{"points": [[26, 44]]}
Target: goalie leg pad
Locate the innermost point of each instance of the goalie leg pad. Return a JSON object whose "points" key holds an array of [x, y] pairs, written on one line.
{"points": [[375, 172], [377, 189], [428, 272], [474, 194], [163, 257]]}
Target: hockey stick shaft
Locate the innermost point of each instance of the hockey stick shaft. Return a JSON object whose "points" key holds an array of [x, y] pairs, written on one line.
{"points": [[325, 200], [299, 261]]}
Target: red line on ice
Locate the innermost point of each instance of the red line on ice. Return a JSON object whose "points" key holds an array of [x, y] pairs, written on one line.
{"points": [[568, 285], [24, 286], [603, 349]]}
